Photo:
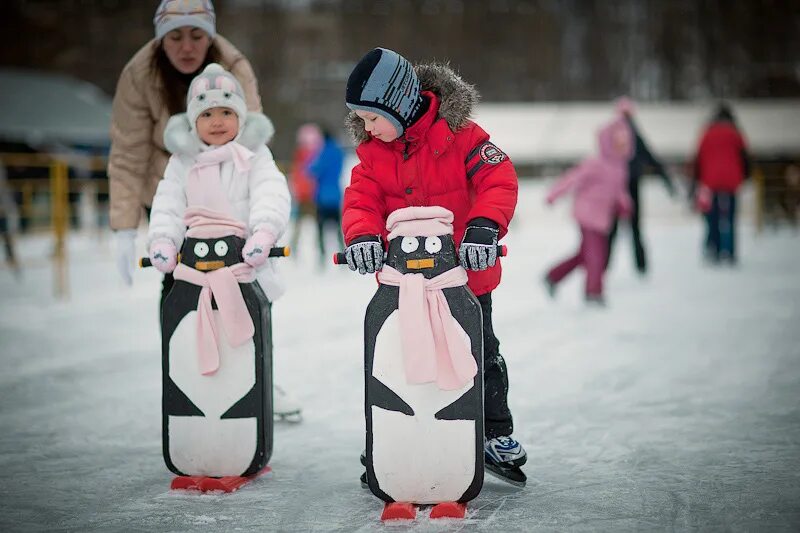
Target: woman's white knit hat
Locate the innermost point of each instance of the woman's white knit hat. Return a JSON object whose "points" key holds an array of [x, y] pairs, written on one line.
{"points": [[173, 14]]}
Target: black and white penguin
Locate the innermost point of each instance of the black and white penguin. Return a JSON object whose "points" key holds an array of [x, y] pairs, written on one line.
{"points": [[424, 445], [219, 424]]}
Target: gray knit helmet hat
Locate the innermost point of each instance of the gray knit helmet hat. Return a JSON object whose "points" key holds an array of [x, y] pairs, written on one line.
{"points": [[384, 82]]}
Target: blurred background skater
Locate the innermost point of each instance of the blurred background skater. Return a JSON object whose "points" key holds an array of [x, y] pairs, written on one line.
{"points": [[600, 192], [153, 87], [642, 160], [301, 183], [326, 170], [721, 165], [9, 221]]}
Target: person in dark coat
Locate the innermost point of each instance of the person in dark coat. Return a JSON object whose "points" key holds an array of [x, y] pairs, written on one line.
{"points": [[721, 165], [641, 160]]}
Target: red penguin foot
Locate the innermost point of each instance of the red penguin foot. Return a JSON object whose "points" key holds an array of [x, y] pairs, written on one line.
{"points": [[449, 510], [185, 482], [399, 511], [205, 484]]}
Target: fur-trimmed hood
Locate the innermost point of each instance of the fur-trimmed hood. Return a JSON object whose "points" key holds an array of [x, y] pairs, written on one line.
{"points": [[456, 98], [180, 139]]}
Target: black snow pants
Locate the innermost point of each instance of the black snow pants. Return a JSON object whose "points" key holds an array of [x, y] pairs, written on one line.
{"points": [[496, 415]]}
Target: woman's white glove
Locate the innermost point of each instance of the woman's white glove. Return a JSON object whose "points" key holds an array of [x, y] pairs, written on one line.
{"points": [[125, 253]]}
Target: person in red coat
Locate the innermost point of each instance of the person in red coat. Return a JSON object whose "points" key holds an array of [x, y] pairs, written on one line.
{"points": [[720, 167], [418, 147]]}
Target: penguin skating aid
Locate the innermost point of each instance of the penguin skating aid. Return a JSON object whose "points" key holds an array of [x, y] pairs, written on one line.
{"points": [[424, 441], [217, 425]]}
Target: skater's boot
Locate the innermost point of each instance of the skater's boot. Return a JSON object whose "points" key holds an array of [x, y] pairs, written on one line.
{"points": [[503, 457], [284, 406], [595, 300], [549, 286], [505, 450], [363, 478]]}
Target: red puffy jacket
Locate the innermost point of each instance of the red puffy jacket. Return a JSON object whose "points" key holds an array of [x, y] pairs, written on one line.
{"points": [[448, 162], [721, 158]]}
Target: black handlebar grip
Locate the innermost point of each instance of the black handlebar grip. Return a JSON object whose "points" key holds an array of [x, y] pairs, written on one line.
{"points": [[280, 251], [340, 259], [277, 251]]}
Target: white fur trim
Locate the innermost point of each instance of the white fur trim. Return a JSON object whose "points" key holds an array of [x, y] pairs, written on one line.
{"points": [[181, 139]]}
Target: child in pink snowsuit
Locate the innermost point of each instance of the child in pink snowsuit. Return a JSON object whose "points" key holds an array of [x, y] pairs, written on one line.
{"points": [[600, 190]]}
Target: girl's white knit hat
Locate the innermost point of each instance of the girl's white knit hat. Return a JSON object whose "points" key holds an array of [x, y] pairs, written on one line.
{"points": [[215, 87]]}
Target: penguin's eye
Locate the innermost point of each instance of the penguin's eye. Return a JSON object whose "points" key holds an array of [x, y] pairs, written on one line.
{"points": [[220, 248], [409, 244], [201, 249], [433, 245]]}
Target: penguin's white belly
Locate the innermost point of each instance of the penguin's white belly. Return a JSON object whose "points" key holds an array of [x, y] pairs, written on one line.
{"points": [[209, 445], [418, 458]]}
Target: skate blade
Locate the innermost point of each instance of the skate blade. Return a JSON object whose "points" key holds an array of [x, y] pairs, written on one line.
{"points": [[512, 476], [292, 417]]}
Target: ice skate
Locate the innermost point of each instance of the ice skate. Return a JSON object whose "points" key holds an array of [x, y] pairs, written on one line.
{"points": [[284, 406], [503, 458]]}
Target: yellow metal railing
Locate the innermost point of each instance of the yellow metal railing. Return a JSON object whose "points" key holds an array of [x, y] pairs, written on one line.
{"points": [[776, 193], [759, 196], [58, 186]]}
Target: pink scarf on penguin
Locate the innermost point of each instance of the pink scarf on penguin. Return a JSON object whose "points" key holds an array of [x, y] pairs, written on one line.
{"points": [[433, 344], [209, 215]]}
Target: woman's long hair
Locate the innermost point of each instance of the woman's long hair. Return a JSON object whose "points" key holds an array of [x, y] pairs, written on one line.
{"points": [[175, 84]]}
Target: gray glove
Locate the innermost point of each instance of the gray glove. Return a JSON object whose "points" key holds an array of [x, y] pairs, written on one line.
{"points": [[125, 253], [365, 254], [478, 250]]}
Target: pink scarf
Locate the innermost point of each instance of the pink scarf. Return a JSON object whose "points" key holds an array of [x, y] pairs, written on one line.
{"points": [[203, 185], [427, 327], [223, 285]]}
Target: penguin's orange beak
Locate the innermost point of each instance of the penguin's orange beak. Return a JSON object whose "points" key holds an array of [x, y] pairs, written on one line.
{"points": [[419, 264], [208, 265]]}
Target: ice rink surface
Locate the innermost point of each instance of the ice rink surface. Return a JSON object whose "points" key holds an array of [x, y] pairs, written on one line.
{"points": [[675, 408]]}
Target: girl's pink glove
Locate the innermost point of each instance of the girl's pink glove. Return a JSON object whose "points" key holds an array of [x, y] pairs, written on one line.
{"points": [[256, 249], [163, 255]]}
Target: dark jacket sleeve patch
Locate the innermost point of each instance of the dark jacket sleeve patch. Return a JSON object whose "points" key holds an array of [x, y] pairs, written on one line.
{"points": [[491, 154], [483, 154]]}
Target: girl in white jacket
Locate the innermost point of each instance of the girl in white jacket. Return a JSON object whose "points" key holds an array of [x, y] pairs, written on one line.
{"points": [[220, 167]]}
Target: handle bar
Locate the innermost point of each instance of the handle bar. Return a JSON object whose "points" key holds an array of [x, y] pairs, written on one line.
{"points": [[278, 251], [340, 259]]}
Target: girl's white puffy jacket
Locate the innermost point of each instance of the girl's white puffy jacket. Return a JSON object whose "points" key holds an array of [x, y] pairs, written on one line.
{"points": [[260, 196]]}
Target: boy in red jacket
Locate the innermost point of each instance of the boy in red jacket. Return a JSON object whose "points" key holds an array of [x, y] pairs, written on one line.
{"points": [[417, 147]]}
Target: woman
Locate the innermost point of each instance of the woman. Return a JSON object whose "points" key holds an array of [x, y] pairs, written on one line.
{"points": [[151, 88]]}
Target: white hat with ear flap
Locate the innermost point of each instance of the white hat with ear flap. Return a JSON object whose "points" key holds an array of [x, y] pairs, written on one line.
{"points": [[215, 87]]}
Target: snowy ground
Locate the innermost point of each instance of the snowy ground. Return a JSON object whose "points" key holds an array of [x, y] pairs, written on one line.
{"points": [[678, 407]]}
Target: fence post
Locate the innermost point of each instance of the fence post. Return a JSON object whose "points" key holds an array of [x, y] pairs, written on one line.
{"points": [[758, 182], [59, 206]]}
